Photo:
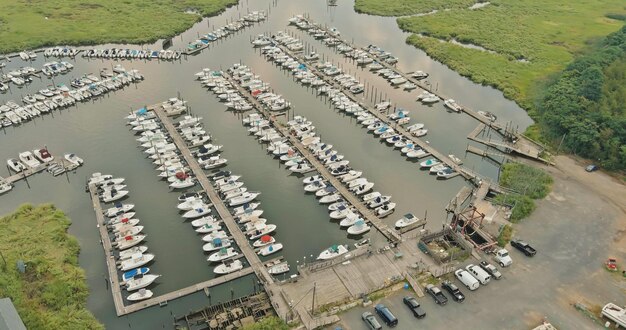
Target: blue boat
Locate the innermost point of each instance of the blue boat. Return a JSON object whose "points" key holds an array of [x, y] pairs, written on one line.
{"points": [[134, 272]]}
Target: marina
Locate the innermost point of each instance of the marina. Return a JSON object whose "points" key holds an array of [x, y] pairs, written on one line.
{"points": [[99, 135]]}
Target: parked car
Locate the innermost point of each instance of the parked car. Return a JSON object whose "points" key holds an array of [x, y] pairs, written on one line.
{"points": [[482, 276], [437, 295], [371, 321], [454, 291], [386, 315], [503, 258], [528, 250], [591, 168], [467, 279], [414, 306], [491, 269]]}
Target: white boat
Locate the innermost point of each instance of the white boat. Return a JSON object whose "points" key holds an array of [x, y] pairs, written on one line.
{"points": [[378, 201], [216, 244], [358, 228], [245, 208], [263, 241], [124, 217], [135, 261], [208, 228], [132, 251], [227, 180], [300, 168], [229, 186], [142, 294], [199, 211], [217, 234], [261, 230], [223, 253], [349, 220], [181, 184], [341, 212], [455, 159], [371, 196], [270, 249], [312, 179], [118, 209], [407, 220], [5, 187], [96, 178], [385, 210], [112, 195], [330, 198], [191, 203], [279, 268], [436, 168], [16, 165], [446, 173], [362, 189], [72, 158], [243, 198], [452, 105], [430, 163], [333, 252], [29, 159], [125, 226], [140, 281], [249, 216], [228, 266], [127, 230], [209, 220], [129, 241]]}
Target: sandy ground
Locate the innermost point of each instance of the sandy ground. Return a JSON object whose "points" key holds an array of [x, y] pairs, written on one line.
{"points": [[575, 229]]}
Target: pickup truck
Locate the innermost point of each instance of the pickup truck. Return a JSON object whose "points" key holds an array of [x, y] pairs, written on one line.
{"points": [[491, 269], [528, 250], [503, 258], [437, 295], [454, 291]]}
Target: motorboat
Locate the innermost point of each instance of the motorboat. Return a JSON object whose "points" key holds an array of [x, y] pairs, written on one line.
{"points": [[358, 228], [313, 187], [378, 201], [15, 165], [124, 217], [191, 203], [208, 228], [341, 212], [216, 244], [349, 220], [245, 208], [118, 209], [333, 252], [129, 241], [140, 281], [230, 186], [228, 266], [226, 180], [330, 198], [362, 189], [5, 186], [270, 249], [216, 234], [181, 184], [124, 226], [437, 168], [249, 216], [300, 168], [113, 195], [326, 191], [29, 159], [135, 261], [455, 159], [199, 211], [370, 196], [279, 268], [126, 254], [243, 198], [446, 173], [430, 163], [234, 193], [350, 176], [96, 178], [142, 294], [263, 241], [385, 210], [223, 253], [407, 220], [313, 179], [72, 158], [208, 220], [452, 105], [260, 230]]}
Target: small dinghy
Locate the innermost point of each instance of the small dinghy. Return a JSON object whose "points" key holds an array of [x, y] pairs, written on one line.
{"points": [[270, 249], [140, 281], [332, 252], [133, 272], [223, 253], [142, 294], [228, 266], [358, 228]]}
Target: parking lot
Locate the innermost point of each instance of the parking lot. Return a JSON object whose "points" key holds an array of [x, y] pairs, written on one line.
{"points": [[575, 229]]}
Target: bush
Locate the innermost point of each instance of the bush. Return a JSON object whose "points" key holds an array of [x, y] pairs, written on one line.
{"points": [[268, 323], [506, 233], [526, 180]]}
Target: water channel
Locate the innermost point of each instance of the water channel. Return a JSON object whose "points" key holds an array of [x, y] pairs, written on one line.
{"points": [[96, 131]]}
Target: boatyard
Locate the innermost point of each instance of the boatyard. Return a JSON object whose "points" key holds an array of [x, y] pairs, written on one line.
{"points": [[274, 163]]}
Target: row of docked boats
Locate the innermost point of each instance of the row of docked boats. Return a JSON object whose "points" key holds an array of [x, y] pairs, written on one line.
{"points": [[56, 68], [19, 77], [373, 57], [126, 235], [222, 32], [132, 54], [61, 51], [28, 55], [52, 98]]}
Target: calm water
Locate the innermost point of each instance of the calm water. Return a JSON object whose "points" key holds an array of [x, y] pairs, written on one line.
{"points": [[97, 132]]}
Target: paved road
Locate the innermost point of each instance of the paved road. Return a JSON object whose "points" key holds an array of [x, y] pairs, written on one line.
{"points": [[573, 229]]}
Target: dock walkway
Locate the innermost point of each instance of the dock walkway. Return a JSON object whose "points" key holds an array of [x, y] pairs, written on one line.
{"points": [[257, 266], [367, 213]]}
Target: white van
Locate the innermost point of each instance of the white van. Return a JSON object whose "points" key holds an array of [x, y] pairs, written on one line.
{"points": [[468, 280], [479, 273]]}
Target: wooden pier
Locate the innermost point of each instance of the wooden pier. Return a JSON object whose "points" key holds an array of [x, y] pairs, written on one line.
{"points": [[520, 143], [361, 207], [279, 304], [370, 107], [29, 171], [116, 287]]}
